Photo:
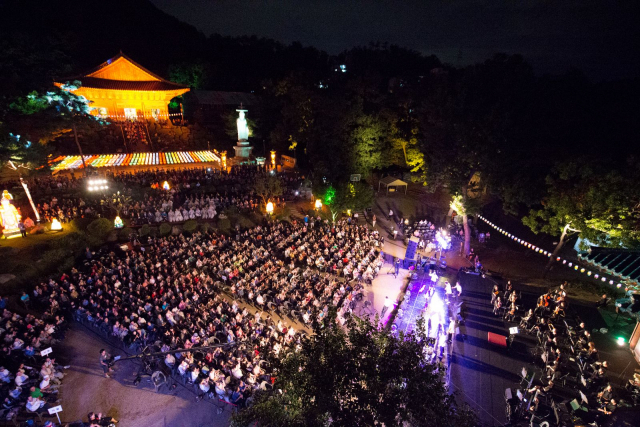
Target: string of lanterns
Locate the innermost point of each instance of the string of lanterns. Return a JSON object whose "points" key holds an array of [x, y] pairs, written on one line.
{"points": [[136, 159], [145, 115], [548, 254]]}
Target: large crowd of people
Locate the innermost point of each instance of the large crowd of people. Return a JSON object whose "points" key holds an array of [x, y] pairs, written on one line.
{"points": [[183, 292], [29, 381], [198, 193]]}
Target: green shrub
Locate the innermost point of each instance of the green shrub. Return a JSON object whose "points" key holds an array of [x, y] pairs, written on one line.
{"points": [[124, 233], [224, 225], [284, 213], [94, 242], [244, 222], [145, 230], [205, 227], [190, 226], [100, 228], [153, 231], [165, 229], [73, 241], [52, 258], [231, 210], [7, 251], [66, 265], [82, 223]]}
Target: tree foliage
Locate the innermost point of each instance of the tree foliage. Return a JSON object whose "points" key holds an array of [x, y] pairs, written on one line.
{"points": [[355, 196], [359, 376], [603, 208], [17, 152], [267, 187], [45, 116], [194, 75]]}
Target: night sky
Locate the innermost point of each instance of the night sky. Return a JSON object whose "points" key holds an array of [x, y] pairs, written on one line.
{"points": [[597, 37]]}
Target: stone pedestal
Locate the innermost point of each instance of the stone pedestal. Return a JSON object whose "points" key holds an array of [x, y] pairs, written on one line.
{"points": [[243, 149]]}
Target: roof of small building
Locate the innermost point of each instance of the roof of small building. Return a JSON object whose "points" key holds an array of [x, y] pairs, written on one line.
{"points": [[392, 181]]}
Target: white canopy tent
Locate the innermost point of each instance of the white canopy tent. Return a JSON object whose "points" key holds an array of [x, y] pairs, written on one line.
{"points": [[390, 181]]}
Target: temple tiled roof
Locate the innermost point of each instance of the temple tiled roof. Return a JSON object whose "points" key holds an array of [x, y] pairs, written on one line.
{"points": [[97, 83], [123, 73]]}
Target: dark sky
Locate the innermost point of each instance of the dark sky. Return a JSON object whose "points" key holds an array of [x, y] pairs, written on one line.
{"points": [[598, 37]]}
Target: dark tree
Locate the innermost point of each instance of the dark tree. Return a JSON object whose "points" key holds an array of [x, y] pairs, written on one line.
{"points": [[359, 376]]}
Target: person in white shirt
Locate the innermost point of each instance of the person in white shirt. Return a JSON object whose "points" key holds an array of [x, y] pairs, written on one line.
{"points": [[451, 330], [220, 388], [170, 360], [45, 383], [458, 289], [194, 374], [5, 375], [183, 367], [34, 404], [205, 386], [21, 378], [387, 304], [236, 371]]}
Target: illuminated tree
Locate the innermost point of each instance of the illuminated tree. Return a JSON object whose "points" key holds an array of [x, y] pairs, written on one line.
{"points": [[355, 196], [604, 209], [361, 375], [372, 144], [193, 75], [267, 187], [46, 116], [18, 152]]}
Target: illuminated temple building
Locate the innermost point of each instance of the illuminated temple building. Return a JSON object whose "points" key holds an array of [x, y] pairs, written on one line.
{"points": [[122, 89]]}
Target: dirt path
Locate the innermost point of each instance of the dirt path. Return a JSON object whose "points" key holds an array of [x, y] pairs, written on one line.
{"points": [[85, 389]]}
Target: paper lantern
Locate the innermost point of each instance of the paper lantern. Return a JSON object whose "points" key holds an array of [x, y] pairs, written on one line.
{"points": [[55, 225]]}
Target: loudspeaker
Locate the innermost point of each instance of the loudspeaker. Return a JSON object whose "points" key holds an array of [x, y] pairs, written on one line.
{"points": [[412, 247]]}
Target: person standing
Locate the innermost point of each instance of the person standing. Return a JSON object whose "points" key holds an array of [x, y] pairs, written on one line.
{"points": [[23, 229], [447, 291], [395, 233], [397, 267], [390, 214], [387, 304], [373, 221], [451, 330], [457, 290], [105, 360]]}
